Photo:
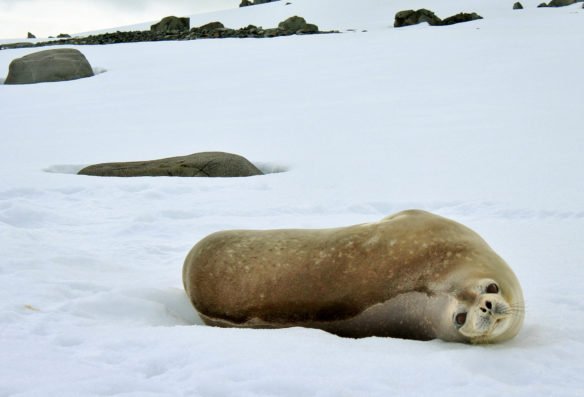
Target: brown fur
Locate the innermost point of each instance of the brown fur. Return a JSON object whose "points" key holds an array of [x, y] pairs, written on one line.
{"points": [[328, 278]]}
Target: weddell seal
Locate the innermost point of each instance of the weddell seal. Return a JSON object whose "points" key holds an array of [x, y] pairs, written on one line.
{"points": [[412, 275]]}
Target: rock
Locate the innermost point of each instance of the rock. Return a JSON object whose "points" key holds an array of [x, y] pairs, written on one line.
{"points": [[245, 3], [212, 26], [542, 5], [411, 17], [30, 36], [518, 6], [461, 17], [22, 44], [561, 3], [210, 30], [205, 164], [63, 36], [49, 65], [297, 24], [172, 24]]}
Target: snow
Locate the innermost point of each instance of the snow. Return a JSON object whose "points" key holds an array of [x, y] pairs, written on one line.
{"points": [[480, 122]]}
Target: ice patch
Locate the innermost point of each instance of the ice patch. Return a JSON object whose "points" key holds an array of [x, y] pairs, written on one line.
{"points": [[64, 168], [271, 168]]}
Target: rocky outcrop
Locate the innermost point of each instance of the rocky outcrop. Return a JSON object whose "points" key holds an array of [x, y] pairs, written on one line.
{"points": [[211, 26], [462, 17], [210, 30], [171, 24], [30, 36], [559, 3], [297, 25], [22, 44], [245, 3], [411, 17], [205, 164], [49, 65], [518, 6]]}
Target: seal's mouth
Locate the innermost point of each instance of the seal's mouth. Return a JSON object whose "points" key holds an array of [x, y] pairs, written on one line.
{"points": [[486, 322]]}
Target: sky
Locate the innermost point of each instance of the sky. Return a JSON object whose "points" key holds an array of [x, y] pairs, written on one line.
{"points": [[46, 18]]}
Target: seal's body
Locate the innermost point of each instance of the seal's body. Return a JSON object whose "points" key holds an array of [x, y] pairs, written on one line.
{"points": [[411, 275]]}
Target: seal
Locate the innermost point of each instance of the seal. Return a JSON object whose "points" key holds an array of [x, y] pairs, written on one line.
{"points": [[412, 275]]}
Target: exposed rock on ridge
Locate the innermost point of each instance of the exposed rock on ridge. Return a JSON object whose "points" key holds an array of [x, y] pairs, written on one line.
{"points": [[411, 17], [293, 25]]}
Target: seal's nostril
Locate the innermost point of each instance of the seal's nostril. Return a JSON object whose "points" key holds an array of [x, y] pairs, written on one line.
{"points": [[489, 306]]}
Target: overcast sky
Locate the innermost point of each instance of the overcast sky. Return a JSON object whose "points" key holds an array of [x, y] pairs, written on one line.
{"points": [[50, 17]]}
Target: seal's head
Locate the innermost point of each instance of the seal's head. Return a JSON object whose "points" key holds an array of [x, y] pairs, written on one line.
{"points": [[484, 310], [489, 311]]}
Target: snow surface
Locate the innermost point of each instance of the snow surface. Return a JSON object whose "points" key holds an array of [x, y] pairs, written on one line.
{"points": [[480, 122]]}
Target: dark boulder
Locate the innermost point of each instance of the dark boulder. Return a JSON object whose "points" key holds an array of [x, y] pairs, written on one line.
{"points": [[297, 24], [50, 65], [562, 3], [559, 3], [205, 164], [461, 17], [212, 26], [518, 6], [30, 36], [172, 24], [411, 17], [63, 36], [245, 3]]}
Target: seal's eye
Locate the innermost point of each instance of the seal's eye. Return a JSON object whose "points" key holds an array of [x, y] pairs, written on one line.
{"points": [[460, 318], [492, 288]]}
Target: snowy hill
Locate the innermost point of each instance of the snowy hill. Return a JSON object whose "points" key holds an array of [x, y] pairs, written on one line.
{"points": [[480, 122]]}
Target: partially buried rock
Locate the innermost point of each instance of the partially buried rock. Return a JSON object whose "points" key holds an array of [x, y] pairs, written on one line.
{"points": [[411, 17], [297, 24], [561, 3], [205, 164], [212, 26], [461, 17], [171, 24], [51, 65], [245, 3]]}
